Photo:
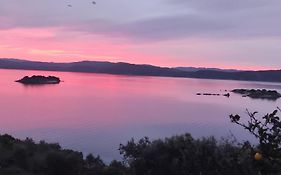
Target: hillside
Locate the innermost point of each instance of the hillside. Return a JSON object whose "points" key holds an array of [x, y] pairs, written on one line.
{"points": [[122, 68]]}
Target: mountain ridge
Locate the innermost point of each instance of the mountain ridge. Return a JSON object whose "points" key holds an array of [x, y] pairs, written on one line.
{"points": [[123, 68]]}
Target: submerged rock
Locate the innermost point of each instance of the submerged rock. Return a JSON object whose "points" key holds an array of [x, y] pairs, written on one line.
{"points": [[39, 79], [212, 94], [258, 93], [226, 95]]}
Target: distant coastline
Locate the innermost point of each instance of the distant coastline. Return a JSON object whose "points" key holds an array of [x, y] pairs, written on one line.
{"points": [[122, 68]]}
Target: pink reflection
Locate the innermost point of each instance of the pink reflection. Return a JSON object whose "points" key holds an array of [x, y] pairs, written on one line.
{"points": [[116, 108], [108, 100]]}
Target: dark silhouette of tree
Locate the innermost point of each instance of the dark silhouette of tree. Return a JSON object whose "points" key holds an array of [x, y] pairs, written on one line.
{"points": [[178, 155], [184, 155], [267, 130]]}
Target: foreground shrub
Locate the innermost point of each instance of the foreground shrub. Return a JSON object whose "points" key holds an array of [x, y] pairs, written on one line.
{"points": [[184, 155], [267, 130], [28, 158], [178, 155]]}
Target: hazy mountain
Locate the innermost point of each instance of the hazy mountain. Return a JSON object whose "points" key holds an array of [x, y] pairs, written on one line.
{"points": [[194, 69], [142, 70], [91, 66], [267, 75]]}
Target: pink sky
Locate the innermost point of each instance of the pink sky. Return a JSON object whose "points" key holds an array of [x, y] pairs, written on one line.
{"points": [[160, 33]]}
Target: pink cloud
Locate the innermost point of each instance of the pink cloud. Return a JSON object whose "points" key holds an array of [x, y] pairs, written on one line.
{"points": [[60, 45]]}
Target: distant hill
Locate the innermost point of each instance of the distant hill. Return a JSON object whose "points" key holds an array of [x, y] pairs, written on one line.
{"points": [[142, 70], [91, 67], [194, 69], [267, 75]]}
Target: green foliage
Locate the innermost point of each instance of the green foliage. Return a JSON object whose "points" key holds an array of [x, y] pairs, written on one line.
{"points": [[184, 155], [178, 155], [267, 130], [28, 158]]}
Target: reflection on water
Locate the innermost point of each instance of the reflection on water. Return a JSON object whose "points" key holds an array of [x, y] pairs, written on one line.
{"points": [[96, 112]]}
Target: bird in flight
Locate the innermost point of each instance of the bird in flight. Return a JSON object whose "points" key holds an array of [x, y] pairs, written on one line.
{"points": [[93, 2]]}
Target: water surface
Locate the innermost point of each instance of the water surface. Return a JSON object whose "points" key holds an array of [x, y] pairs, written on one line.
{"points": [[94, 113]]}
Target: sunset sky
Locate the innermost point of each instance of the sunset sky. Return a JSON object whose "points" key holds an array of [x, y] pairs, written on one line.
{"points": [[241, 34]]}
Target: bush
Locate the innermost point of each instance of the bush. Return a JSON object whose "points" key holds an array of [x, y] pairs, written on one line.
{"points": [[28, 158], [184, 155], [178, 155], [267, 130]]}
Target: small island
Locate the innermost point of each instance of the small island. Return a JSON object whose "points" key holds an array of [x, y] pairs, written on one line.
{"points": [[39, 79], [258, 93]]}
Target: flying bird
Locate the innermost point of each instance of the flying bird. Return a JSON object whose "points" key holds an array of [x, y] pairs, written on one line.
{"points": [[93, 2]]}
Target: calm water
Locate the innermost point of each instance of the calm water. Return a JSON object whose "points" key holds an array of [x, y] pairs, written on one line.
{"points": [[94, 113]]}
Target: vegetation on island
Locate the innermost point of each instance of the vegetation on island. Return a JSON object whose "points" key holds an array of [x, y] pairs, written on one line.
{"points": [[258, 93], [178, 155], [252, 93], [39, 79]]}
